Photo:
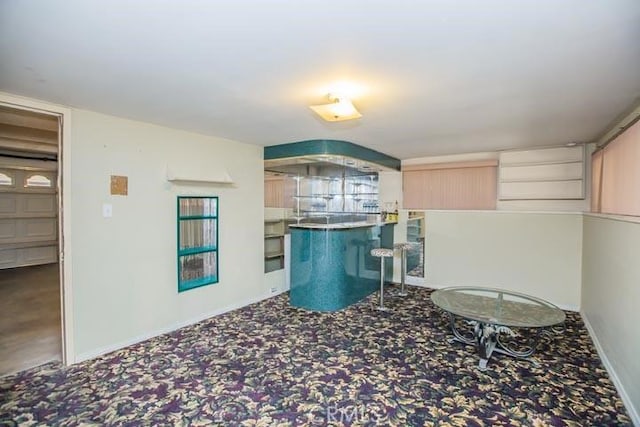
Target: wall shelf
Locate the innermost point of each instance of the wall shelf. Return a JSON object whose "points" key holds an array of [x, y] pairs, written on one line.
{"points": [[542, 174], [190, 176], [339, 194], [274, 230]]}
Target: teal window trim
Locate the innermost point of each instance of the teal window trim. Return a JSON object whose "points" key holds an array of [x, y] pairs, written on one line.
{"points": [[208, 279], [184, 218], [198, 250]]}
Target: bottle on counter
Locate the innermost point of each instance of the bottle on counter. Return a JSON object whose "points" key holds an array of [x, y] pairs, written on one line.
{"points": [[392, 215]]}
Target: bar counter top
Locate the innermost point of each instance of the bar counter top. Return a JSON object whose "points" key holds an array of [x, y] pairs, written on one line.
{"points": [[340, 225]]}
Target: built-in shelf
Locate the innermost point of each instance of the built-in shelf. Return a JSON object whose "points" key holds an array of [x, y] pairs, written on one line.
{"points": [[269, 255], [542, 174], [274, 229], [273, 236], [345, 194], [189, 176]]}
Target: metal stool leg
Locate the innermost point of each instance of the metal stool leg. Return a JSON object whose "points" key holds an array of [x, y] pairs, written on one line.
{"points": [[381, 307], [403, 273]]}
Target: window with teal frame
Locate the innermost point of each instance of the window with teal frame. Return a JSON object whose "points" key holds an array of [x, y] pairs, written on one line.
{"points": [[197, 241]]}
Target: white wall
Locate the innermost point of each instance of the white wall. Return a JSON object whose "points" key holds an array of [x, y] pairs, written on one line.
{"points": [[534, 253], [611, 300], [389, 189], [124, 268]]}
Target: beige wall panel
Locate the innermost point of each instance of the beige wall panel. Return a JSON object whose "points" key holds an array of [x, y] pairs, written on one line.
{"points": [[610, 295], [38, 255], [8, 258], [39, 229], [8, 230], [21, 257], [8, 204], [535, 253], [39, 204]]}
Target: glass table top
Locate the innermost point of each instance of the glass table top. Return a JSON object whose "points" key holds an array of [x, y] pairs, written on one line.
{"points": [[498, 306]]}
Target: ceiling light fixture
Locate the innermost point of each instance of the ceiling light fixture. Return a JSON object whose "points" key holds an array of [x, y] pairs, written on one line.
{"points": [[339, 109]]}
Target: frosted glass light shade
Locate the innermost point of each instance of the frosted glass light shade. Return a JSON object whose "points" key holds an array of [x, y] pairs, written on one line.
{"points": [[341, 109]]}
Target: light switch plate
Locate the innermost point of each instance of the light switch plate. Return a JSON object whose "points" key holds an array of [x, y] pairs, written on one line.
{"points": [[107, 210]]}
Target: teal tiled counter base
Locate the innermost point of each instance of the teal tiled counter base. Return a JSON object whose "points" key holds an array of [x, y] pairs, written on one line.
{"points": [[332, 268]]}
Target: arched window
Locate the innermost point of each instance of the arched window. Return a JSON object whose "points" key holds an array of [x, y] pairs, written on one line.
{"points": [[38, 181], [6, 179]]}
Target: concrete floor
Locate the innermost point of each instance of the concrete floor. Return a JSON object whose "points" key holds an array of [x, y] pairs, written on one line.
{"points": [[30, 330]]}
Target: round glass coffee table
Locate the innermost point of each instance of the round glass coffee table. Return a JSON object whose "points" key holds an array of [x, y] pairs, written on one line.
{"points": [[493, 313]]}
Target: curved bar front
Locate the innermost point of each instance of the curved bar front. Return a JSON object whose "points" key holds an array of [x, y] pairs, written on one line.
{"points": [[332, 266]]}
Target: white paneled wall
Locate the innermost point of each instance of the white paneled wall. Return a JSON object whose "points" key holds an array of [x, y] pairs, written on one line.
{"points": [[534, 253]]}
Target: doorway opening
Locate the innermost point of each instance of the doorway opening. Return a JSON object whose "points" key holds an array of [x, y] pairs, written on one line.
{"points": [[31, 331]]}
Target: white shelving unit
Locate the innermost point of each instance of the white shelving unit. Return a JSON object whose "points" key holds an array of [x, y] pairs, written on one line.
{"points": [[542, 174], [274, 244], [351, 194]]}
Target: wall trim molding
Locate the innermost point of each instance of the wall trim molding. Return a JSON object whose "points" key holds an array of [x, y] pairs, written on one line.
{"points": [[633, 411], [623, 218], [64, 209], [83, 357], [621, 124]]}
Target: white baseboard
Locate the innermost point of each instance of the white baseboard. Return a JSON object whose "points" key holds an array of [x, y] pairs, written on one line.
{"points": [[633, 411], [110, 348]]}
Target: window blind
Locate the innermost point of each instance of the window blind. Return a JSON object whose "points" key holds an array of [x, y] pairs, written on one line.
{"points": [[619, 184], [462, 185]]}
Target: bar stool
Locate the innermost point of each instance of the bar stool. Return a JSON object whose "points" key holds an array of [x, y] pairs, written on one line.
{"points": [[403, 248], [382, 253]]}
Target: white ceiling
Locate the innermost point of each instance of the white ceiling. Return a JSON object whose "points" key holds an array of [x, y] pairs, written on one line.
{"points": [[438, 77]]}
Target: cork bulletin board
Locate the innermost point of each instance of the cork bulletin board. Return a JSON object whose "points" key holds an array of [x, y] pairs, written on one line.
{"points": [[119, 185]]}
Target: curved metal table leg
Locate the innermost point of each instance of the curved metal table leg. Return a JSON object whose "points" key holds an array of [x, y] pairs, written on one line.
{"points": [[487, 341]]}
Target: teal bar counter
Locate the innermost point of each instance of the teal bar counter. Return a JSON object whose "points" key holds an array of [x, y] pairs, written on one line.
{"points": [[332, 266]]}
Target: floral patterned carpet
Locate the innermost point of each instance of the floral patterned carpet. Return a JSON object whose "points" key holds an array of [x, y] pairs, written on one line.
{"points": [[269, 364]]}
